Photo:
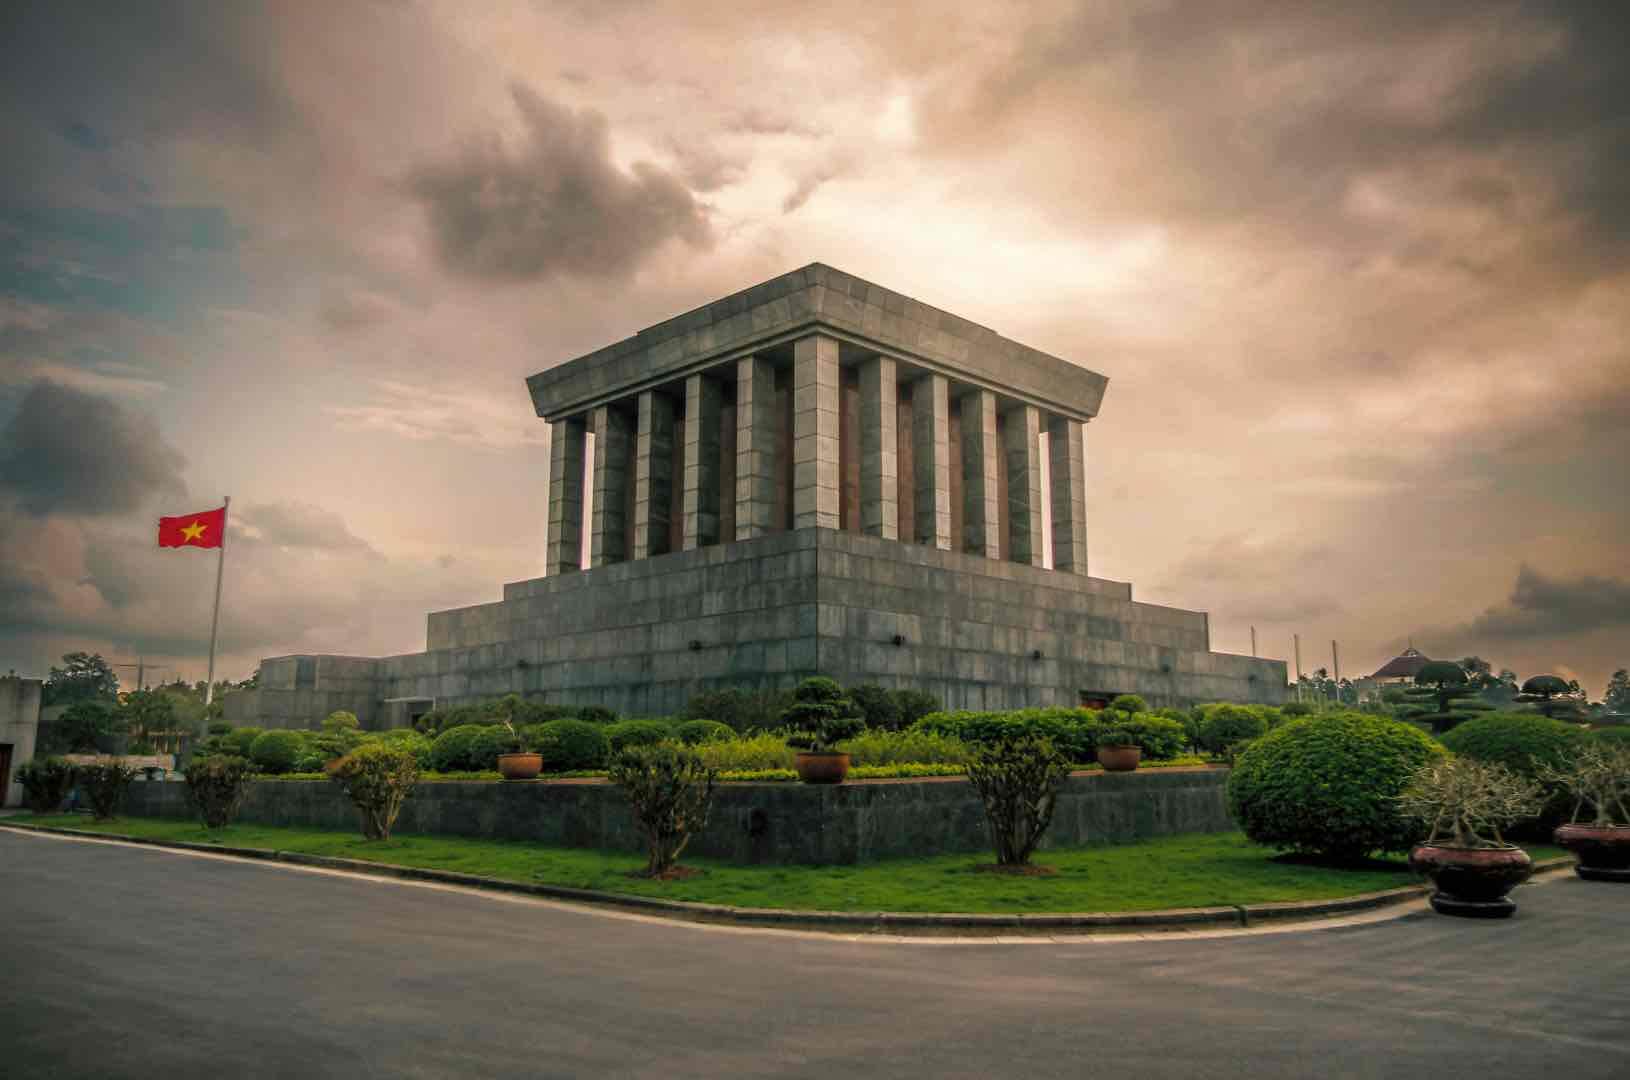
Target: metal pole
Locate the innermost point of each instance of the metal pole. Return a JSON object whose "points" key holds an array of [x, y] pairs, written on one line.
{"points": [[1296, 640], [1335, 662], [1253, 641], [215, 620]]}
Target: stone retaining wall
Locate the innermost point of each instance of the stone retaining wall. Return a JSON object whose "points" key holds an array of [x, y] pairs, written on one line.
{"points": [[755, 823]]}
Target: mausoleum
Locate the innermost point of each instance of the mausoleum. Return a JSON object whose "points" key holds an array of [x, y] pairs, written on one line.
{"points": [[813, 475]]}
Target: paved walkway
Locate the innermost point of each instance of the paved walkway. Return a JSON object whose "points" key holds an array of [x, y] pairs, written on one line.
{"points": [[125, 961]]}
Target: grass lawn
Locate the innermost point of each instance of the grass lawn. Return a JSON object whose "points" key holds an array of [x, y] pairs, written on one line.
{"points": [[1193, 870]]}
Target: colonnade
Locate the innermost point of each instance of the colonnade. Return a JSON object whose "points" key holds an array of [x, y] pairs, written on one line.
{"points": [[669, 475]]}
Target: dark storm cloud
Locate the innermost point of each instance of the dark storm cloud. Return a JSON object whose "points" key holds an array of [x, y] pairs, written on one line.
{"points": [[1543, 608], [68, 451], [298, 525], [558, 206]]}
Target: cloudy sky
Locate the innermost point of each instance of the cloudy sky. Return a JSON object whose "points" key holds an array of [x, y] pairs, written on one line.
{"points": [[1359, 276]]}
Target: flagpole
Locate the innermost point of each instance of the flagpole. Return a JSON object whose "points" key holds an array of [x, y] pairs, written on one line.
{"points": [[215, 620]]}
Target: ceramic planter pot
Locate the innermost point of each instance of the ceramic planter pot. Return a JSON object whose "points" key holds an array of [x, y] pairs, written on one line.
{"points": [[1603, 850], [1119, 758], [1472, 882], [822, 768], [520, 766]]}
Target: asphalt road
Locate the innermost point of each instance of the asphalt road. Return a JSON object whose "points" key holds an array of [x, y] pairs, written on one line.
{"points": [[122, 961]]}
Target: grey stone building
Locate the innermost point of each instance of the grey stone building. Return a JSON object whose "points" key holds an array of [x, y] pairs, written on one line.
{"points": [[813, 475]]}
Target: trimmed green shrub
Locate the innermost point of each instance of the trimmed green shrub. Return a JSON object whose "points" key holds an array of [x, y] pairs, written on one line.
{"points": [[219, 727], [1328, 785], [104, 783], [238, 741], [877, 706], [745, 711], [216, 787], [466, 747], [276, 751], [670, 791], [913, 705], [1018, 781], [570, 744], [625, 734], [874, 748], [1073, 732], [692, 732], [597, 714], [45, 783], [1522, 742], [748, 753], [1225, 728], [378, 778], [1290, 710], [1613, 736], [820, 716]]}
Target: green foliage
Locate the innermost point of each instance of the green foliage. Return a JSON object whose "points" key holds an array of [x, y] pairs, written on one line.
{"points": [[597, 714], [82, 677], [238, 741], [914, 705], [1553, 696], [468, 746], [1442, 697], [747, 753], [1114, 737], [1129, 703], [1225, 728], [144, 713], [1328, 785], [1073, 732], [84, 726], [1619, 735], [341, 720], [1523, 743], [1617, 695], [570, 744], [378, 778], [1597, 778], [745, 711], [45, 783], [876, 705], [276, 751], [218, 727], [670, 791], [1018, 781], [820, 716], [884, 748], [217, 786], [692, 732], [104, 783], [1290, 710], [626, 734]]}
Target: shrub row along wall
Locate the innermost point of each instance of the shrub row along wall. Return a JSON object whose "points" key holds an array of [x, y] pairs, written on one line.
{"points": [[755, 823]]}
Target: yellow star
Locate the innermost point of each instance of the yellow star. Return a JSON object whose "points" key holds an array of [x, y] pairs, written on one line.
{"points": [[192, 532]]}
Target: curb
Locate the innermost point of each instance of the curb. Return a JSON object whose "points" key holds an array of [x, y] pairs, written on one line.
{"points": [[1234, 916]]}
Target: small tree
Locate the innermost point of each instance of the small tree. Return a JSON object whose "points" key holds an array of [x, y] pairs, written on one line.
{"points": [[84, 725], [1598, 777], [670, 791], [1553, 696], [1617, 695], [821, 716], [877, 706], [1465, 802], [82, 677], [1018, 781], [105, 782], [216, 787], [1442, 696], [378, 777], [45, 783]]}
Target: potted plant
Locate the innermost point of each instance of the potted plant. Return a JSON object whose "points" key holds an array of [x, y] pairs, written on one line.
{"points": [[1118, 750], [1598, 778], [820, 717], [1465, 802], [515, 761]]}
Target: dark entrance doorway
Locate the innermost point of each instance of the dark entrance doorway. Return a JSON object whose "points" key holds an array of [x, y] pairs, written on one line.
{"points": [[5, 772]]}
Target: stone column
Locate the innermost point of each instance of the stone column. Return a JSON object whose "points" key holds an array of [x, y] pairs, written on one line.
{"points": [[980, 459], [879, 450], [1067, 463], [567, 441], [815, 490], [755, 447], [703, 401], [653, 474], [608, 532], [1022, 451], [931, 460]]}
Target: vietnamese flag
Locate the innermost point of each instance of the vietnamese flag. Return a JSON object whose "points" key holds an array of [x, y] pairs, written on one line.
{"points": [[204, 529]]}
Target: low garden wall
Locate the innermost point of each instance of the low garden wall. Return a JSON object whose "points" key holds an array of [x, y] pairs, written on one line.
{"points": [[754, 823]]}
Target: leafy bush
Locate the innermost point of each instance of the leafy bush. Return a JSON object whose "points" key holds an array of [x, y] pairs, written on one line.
{"points": [[877, 706], [744, 711], [820, 716], [597, 714], [1290, 710], [45, 783], [1225, 728], [626, 734], [1523, 743], [1018, 781], [871, 748], [1073, 732], [1128, 703], [238, 741], [468, 746], [692, 732], [342, 720], [216, 787], [750, 753], [913, 705], [570, 744], [407, 739], [276, 751], [1328, 785], [219, 727], [1613, 736], [378, 778], [105, 783], [670, 791]]}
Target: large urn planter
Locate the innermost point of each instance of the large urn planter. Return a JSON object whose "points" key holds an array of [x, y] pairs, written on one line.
{"points": [[1119, 758], [520, 766], [1472, 882], [822, 768], [1603, 851]]}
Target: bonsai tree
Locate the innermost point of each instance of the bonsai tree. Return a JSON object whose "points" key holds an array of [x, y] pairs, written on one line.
{"points": [[820, 717], [1552, 696], [1464, 802], [1598, 778], [1018, 781], [1442, 696], [378, 777], [670, 791], [1116, 736]]}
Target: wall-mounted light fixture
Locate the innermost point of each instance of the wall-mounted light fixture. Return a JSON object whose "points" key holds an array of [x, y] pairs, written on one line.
{"points": [[695, 645], [1035, 654], [898, 639], [521, 664]]}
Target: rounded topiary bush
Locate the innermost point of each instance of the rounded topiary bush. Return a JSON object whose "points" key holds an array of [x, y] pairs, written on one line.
{"points": [[1614, 736], [1521, 742], [1328, 785], [570, 744], [692, 732], [276, 752], [467, 748], [627, 733]]}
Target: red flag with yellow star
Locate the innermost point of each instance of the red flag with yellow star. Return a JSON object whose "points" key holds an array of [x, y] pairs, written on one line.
{"points": [[204, 529]]}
